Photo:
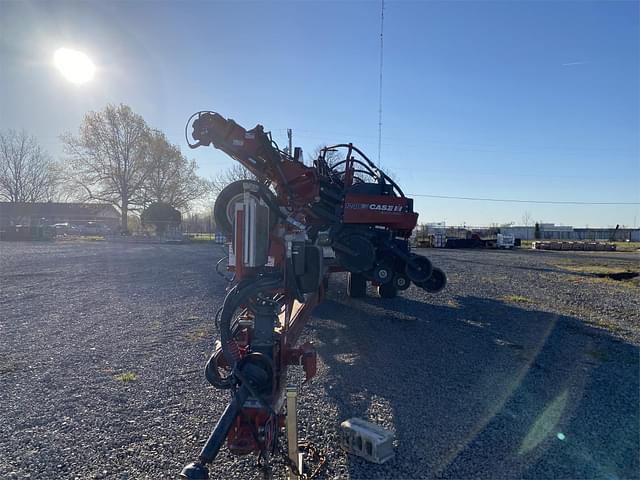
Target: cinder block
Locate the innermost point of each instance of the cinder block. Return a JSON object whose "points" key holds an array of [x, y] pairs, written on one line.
{"points": [[367, 440]]}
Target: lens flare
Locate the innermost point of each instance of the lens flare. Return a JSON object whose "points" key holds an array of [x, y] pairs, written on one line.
{"points": [[75, 66], [545, 423]]}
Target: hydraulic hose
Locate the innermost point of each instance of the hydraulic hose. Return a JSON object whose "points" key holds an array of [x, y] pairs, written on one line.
{"points": [[238, 295], [220, 431]]}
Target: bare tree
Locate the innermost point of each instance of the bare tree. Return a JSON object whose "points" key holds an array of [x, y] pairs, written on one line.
{"points": [[331, 156], [108, 159], [27, 173], [527, 218], [171, 178], [232, 174]]}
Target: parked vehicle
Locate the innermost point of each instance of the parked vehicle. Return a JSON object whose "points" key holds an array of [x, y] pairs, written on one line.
{"points": [[505, 241], [92, 228], [62, 229]]}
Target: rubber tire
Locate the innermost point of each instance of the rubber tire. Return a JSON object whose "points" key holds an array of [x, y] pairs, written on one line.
{"points": [[425, 269], [388, 290], [365, 253], [378, 279], [356, 285], [436, 282], [407, 282], [223, 223]]}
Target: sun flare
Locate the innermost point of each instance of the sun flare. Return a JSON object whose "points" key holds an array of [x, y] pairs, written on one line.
{"points": [[75, 66]]}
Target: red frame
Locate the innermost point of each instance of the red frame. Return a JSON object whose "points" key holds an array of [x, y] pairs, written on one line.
{"points": [[386, 210], [241, 439]]}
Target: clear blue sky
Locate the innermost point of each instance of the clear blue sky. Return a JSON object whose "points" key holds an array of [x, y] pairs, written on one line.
{"points": [[511, 100]]}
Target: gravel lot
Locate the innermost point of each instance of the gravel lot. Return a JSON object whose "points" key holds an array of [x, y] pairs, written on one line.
{"points": [[523, 368]]}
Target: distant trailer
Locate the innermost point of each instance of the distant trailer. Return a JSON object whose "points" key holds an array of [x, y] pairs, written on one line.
{"points": [[575, 246], [464, 243], [437, 240], [501, 242]]}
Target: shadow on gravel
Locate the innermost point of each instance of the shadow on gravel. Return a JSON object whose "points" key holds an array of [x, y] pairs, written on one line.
{"points": [[484, 390]]}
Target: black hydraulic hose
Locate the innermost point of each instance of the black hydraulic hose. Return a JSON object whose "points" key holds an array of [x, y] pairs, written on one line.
{"points": [[371, 164], [186, 127], [225, 422], [230, 305], [212, 374], [368, 171], [234, 299], [239, 294]]}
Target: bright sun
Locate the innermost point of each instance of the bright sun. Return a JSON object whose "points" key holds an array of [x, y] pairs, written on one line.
{"points": [[75, 66]]}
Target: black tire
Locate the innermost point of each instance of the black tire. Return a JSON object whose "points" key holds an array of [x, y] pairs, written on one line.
{"points": [[388, 290], [422, 273], [363, 255], [232, 194], [401, 281], [356, 285], [382, 274], [435, 283]]}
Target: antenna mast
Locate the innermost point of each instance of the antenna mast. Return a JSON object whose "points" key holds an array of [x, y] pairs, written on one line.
{"points": [[380, 81]]}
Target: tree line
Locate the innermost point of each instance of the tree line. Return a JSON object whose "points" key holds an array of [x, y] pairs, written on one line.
{"points": [[115, 158]]}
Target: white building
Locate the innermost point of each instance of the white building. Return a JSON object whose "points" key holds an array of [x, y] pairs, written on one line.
{"points": [[550, 231]]}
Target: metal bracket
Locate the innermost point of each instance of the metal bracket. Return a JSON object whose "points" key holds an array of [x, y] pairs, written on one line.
{"points": [[292, 431]]}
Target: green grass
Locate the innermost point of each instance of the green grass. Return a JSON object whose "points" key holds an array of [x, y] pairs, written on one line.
{"points": [[127, 377], [198, 334], [627, 246], [607, 325], [620, 246], [588, 273], [605, 281], [82, 238], [592, 269], [516, 299], [201, 240], [201, 237]]}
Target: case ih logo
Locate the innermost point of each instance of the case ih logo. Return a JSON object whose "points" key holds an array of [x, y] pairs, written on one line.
{"points": [[378, 207]]}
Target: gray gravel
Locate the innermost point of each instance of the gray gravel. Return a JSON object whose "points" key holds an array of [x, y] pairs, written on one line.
{"points": [[520, 369]]}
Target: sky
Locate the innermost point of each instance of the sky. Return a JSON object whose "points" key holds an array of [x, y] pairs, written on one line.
{"points": [[535, 101]]}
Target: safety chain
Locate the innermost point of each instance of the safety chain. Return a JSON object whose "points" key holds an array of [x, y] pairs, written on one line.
{"points": [[315, 454]]}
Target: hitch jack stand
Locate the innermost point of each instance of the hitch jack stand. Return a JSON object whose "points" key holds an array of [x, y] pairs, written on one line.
{"points": [[292, 431]]}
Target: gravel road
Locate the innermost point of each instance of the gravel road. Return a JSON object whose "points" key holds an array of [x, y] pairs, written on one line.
{"points": [[525, 367]]}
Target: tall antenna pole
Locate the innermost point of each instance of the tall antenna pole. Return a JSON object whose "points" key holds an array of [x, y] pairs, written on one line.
{"points": [[380, 90]]}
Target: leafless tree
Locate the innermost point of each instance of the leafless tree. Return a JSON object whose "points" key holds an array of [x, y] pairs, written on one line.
{"points": [[171, 177], [331, 156], [527, 218], [27, 173], [225, 177], [108, 159]]}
